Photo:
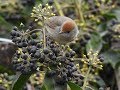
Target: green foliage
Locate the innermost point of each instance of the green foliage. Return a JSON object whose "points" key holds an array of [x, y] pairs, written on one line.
{"points": [[112, 57], [4, 23], [99, 22], [48, 83], [20, 81], [74, 86], [95, 43], [7, 70]]}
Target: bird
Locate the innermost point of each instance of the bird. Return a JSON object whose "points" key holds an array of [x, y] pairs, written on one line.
{"points": [[62, 29]]}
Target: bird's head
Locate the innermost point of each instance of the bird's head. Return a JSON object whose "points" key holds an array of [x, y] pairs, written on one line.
{"points": [[67, 26]]}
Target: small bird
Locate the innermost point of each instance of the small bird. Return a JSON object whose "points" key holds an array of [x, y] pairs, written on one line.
{"points": [[62, 29]]}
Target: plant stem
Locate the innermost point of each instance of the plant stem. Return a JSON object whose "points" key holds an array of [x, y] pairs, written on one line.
{"points": [[44, 38], [57, 5], [117, 74], [86, 77], [78, 6], [33, 31]]}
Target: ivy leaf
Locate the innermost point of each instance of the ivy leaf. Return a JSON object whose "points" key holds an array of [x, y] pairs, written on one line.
{"points": [[109, 16], [95, 43], [20, 81], [7, 70], [5, 24], [48, 83], [117, 13], [112, 57], [74, 86], [99, 81], [43, 87]]}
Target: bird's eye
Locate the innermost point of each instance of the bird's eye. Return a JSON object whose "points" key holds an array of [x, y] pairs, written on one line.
{"points": [[68, 32]]}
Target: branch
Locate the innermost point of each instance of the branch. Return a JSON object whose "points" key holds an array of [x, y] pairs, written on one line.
{"points": [[57, 5], [78, 4]]}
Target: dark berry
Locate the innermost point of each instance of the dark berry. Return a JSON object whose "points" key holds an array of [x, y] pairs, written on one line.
{"points": [[32, 42], [86, 36], [24, 56], [28, 49], [31, 65], [20, 45], [33, 49], [32, 55], [37, 75], [46, 51], [18, 34], [101, 58], [67, 54], [72, 53], [50, 2], [53, 57], [83, 43], [37, 54], [24, 50], [34, 35], [13, 33], [71, 64], [24, 44], [50, 55], [55, 50], [39, 45], [52, 45], [15, 28], [25, 61], [42, 58], [32, 60]]}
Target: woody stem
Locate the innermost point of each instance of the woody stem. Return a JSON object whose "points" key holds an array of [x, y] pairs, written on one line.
{"points": [[44, 38]]}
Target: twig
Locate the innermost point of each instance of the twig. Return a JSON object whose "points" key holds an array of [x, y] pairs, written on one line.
{"points": [[98, 9], [117, 74], [86, 78], [32, 31], [57, 5], [66, 6], [78, 4], [89, 87], [44, 38]]}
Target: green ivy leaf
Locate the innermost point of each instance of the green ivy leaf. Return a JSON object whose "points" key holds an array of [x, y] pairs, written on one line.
{"points": [[43, 87], [5, 24], [74, 86], [48, 83], [20, 81], [99, 81], [112, 57], [117, 13], [95, 43], [109, 16], [6, 69]]}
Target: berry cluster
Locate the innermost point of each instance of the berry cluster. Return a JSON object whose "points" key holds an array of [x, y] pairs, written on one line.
{"points": [[32, 55], [5, 81], [80, 44], [28, 53], [36, 80], [68, 73], [89, 66]]}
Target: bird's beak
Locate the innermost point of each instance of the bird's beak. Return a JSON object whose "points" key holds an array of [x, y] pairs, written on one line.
{"points": [[60, 32]]}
